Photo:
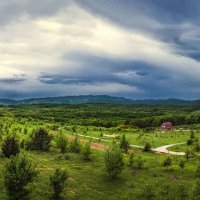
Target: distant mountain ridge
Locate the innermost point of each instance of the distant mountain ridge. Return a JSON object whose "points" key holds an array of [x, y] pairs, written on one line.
{"points": [[84, 99]]}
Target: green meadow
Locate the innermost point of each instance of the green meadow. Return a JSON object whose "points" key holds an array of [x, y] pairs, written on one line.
{"points": [[147, 178]]}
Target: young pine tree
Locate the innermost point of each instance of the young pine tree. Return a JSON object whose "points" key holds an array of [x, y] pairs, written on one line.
{"points": [[75, 146], [10, 147], [86, 151], [167, 162], [19, 172], [40, 140], [131, 161], [124, 144], [147, 147], [57, 183], [114, 162], [182, 164], [61, 143]]}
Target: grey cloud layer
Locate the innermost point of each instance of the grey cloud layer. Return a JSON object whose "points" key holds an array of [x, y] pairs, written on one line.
{"points": [[131, 48]]}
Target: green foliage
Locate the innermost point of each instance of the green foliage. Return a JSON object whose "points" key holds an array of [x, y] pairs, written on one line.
{"points": [[124, 144], [86, 151], [57, 182], [188, 155], [189, 141], [167, 162], [182, 164], [75, 146], [61, 143], [40, 140], [10, 147], [131, 160], [192, 136], [114, 162], [19, 172], [147, 147], [196, 191]]}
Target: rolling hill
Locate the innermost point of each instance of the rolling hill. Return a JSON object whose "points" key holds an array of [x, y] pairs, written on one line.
{"points": [[84, 99]]}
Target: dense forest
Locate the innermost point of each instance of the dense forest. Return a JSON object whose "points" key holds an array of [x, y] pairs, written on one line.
{"points": [[108, 115]]}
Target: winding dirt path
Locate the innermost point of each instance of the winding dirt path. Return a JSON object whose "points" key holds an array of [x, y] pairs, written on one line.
{"points": [[164, 149]]}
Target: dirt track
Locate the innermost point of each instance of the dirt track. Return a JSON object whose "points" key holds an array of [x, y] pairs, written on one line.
{"points": [[102, 147]]}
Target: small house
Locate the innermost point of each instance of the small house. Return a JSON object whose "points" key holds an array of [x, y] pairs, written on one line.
{"points": [[166, 126]]}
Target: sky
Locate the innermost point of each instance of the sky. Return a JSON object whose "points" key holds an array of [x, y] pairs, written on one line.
{"points": [[138, 49]]}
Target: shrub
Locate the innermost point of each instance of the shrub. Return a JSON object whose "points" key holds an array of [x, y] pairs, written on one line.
{"points": [[86, 151], [131, 161], [167, 162], [57, 183], [124, 144], [192, 136], [182, 164], [147, 147], [188, 155], [114, 162], [190, 142], [10, 147], [61, 143], [19, 172], [75, 146], [40, 140]]}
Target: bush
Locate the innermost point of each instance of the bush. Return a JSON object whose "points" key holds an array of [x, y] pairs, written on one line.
{"points": [[182, 164], [124, 144], [167, 162], [192, 136], [147, 147], [131, 161], [75, 146], [61, 143], [10, 147], [40, 140], [114, 162], [57, 183], [188, 155], [19, 172], [86, 151], [190, 142]]}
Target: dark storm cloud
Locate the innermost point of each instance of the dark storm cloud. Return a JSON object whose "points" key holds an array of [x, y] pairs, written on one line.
{"points": [[169, 21], [166, 28], [13, 79], [60, 79]]}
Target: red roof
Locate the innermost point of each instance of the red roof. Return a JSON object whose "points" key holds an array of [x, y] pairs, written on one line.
{"points": [[166, 125]]}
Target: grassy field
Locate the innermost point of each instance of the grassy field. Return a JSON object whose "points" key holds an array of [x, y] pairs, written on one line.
{"points": [[88, 180], [139, 137]]}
